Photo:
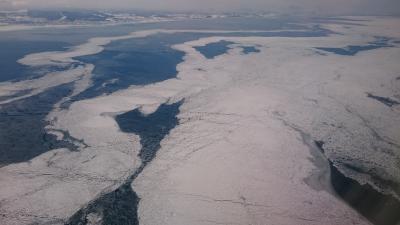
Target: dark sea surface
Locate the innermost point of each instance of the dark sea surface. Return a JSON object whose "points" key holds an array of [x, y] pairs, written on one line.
{"points": [[22, 126], [13, 50], [249, 49], [215, 49], [136, 61], [352, 50]]}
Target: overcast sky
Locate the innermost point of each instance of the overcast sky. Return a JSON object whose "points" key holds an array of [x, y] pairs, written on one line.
{"points": [[319, 6]]}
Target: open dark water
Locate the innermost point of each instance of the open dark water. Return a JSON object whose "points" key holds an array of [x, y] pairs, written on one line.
{"points": [[351, 50], [22, 123], [12, 50], [249, 49], [137, 61], [213, 50]]}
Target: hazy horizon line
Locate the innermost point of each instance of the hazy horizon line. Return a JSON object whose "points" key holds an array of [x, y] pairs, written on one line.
{"points": [[200, 11]]}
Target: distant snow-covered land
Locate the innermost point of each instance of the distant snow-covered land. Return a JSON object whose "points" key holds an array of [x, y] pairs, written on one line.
{"points": [[30, 19]]}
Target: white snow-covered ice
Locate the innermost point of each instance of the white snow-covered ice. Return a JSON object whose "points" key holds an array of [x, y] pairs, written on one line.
{"points": [[243, 152]]}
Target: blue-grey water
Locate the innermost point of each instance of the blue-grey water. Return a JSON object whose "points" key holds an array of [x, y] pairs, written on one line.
{"points": [[12, 50], [137, 61], [22, 123], [215, 49], [352, 50], [249, 49]]}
